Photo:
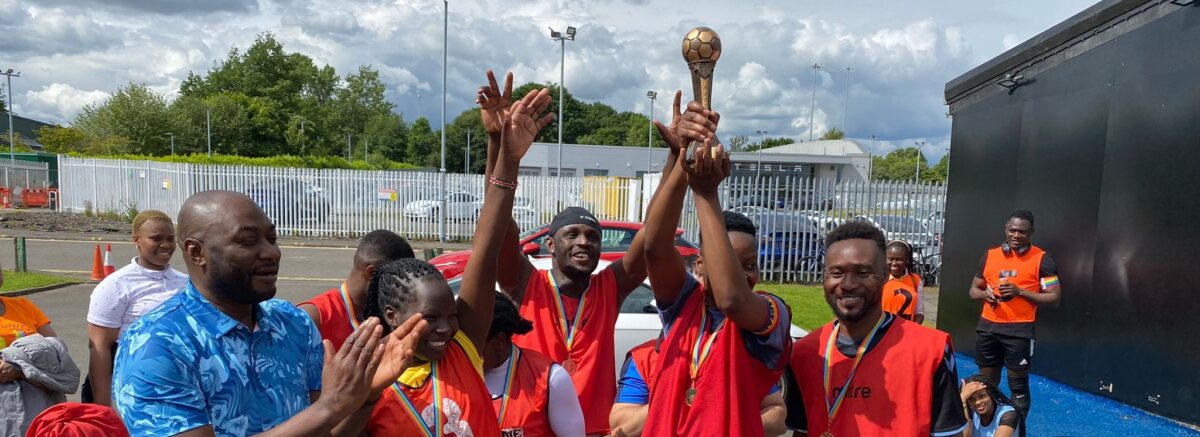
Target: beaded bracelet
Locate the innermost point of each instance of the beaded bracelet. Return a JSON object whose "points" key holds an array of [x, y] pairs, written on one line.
{"points": [[502, 184]]}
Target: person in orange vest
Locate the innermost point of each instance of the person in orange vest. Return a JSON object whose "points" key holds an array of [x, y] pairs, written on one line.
{"points": [[870, 373], [531, 394], [443, 393], [338, 311], [573, 307], [724, 344], [903, 290], [628, 417], [1013, 280]]}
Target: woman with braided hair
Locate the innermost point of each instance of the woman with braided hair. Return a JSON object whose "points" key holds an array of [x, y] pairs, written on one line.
{"points": [[902, 292], [991, 413], [443, 393]]}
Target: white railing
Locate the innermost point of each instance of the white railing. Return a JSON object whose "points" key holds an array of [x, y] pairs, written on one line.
{"points": [[792, 213], [22, 174]]}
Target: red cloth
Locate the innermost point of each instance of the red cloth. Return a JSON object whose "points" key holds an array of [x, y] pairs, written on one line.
{"points": [[74, 419], [528, 412], [335, 317]]}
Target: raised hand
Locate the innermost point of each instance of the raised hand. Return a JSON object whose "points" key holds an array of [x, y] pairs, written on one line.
{"points": [[523, 124], [398, 348], [710, 166], [494, 104], [347, 375]]}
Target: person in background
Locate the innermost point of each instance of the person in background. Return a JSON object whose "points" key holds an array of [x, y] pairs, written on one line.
{"points": [[338, 312], [991, 413], [532, 395], [903, 290], [126, 295]]}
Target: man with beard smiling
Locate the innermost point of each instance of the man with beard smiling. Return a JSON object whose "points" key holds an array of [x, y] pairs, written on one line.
{"points": [[887, 375], [223, 358]]}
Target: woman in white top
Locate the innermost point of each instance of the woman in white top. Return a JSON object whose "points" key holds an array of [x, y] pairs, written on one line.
{"points": [[991, 413], [127, 294]]}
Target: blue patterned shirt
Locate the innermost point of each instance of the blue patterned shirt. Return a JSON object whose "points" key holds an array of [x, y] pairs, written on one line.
{"points": [[186, 364]]}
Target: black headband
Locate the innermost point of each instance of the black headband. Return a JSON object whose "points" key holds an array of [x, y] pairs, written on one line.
{"points": [[574, 216]]}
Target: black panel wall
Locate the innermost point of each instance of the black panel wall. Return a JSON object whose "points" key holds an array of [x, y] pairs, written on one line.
{"points": [[1104, 148]]}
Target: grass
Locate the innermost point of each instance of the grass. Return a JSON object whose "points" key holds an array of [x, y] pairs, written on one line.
{"points": [[20, 281], [809, 310]]}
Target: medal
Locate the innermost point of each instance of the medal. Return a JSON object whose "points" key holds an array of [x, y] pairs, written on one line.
{"points": [[700, 352], [568, 330], [350, 313], [411, 408], [835, 406], [514, 358], [691, 395]]}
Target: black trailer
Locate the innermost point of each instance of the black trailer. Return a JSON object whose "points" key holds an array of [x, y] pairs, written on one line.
{"points": [[1094, 125]]}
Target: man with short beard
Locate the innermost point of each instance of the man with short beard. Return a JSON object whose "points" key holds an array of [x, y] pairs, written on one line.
{"points": [[223, 358], [870, 373]]}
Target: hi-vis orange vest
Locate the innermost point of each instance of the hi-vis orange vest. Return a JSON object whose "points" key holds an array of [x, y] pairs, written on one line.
{"points": [[1022, 271], [900, 295]]}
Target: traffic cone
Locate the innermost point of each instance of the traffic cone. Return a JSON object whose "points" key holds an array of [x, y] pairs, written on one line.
{"points": [[97, 266], [108, 266]]}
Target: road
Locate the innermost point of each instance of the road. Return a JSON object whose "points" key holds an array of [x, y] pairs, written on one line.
{"points": [[304, 272]]}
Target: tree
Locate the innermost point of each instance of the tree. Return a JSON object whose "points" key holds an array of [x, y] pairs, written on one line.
{"points": [[134, 112], [902, 164], [423, 144], [833, 134], [738, 143], [57, 139], [768, 143]]}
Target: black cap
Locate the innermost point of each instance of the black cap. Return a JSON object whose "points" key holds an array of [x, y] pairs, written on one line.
{"points": [[574, 215]]}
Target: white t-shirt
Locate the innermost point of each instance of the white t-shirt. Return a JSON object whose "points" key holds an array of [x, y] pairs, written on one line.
{"points": [[566, 416], [130, 292]]}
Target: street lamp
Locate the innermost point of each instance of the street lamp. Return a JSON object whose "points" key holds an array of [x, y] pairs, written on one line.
{"points": [[917, 171], [442, 179], [467, 164], [208, 124], [813, 109], [650, 131], [761, 144], [562, 38], [846, 101], [172, 134], [871, 160], [12, 141]]}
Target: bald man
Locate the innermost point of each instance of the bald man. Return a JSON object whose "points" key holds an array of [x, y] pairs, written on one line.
{"points": [[222, 357]]}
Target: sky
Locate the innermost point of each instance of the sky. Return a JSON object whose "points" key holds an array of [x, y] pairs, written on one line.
{"points": [[77, 52]]}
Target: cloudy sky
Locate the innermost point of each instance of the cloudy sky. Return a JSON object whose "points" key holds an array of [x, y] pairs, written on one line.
{"points": [[75, 52]]}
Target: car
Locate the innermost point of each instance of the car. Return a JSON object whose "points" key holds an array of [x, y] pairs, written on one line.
{"points": [[911, 230], [291, 202], [460, 205], [637, 321], [615, 238], [789, 241]]}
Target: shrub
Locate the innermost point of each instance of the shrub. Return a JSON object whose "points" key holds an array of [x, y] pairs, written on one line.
{"points": [[272, 161]]}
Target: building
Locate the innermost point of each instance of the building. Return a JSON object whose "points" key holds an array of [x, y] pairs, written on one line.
{"points": [[839, 160], [26, 130]]}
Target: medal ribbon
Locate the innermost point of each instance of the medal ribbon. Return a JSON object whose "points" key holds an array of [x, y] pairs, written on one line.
{"points": [[508, 381], [350, 313], [699, 354], [411, 408], [836, 406], [568, 331]]}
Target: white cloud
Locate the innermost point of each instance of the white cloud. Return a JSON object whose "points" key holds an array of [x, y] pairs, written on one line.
{"points": [[56, 99]]}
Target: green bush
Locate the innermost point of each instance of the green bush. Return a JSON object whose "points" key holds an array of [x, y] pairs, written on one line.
{"points": [[273, 161]]}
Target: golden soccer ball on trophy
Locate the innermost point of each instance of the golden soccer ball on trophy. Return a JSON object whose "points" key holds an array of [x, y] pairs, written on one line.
{"points": [[701, 45]]}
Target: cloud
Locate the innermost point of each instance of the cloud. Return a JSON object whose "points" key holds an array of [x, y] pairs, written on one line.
{"points": [[50, 102], [169, 7], [33, 30]]}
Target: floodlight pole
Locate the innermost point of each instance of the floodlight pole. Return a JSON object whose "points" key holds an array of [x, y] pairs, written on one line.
{"points": [[12, 139]]}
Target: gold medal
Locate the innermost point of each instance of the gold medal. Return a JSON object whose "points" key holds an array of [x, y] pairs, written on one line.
{"points": [[691, 395], [827, 434], [569, 366]]}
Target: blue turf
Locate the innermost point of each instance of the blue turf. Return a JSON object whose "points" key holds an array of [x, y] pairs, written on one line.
{"points": [[1061, 410]]}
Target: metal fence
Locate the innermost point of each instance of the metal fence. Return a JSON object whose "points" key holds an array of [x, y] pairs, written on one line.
{"points": [[21, 174], [793, 214]]}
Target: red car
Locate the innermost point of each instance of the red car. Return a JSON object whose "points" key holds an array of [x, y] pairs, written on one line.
{"points": [[615, 238]]}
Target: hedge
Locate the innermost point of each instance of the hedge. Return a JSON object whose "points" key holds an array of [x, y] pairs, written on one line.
{"points": [[270, 161]]}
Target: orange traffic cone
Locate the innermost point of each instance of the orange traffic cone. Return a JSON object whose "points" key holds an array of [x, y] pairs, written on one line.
{"points": [[97, 267], [108, 265]]}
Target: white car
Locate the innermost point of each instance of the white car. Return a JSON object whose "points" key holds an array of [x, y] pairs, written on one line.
{"points": [[459, 206], [638, 320]]}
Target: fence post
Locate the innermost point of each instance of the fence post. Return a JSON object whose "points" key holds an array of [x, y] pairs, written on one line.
{"points": [[19, 253]]}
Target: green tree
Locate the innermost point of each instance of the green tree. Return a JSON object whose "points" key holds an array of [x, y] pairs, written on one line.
{"points": [[833, 134], [738, 143], [134, 112], [902, 164], [424, 144]]}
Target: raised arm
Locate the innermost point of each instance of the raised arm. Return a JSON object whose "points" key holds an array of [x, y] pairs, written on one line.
{"points": [[662, 217], [730, 291], [494, 106], [477, 296]]}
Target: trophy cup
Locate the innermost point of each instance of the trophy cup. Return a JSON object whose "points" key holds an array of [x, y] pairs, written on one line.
{"points": [[701, 49]]}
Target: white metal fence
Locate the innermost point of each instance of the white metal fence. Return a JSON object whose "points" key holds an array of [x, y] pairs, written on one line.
{"points": [[22, 174], [792, 213]]}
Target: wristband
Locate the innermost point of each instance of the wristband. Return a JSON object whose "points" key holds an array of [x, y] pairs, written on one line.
{"points": [[502, 184]]}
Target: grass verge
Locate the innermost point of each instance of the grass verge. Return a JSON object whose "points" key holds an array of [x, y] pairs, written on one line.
{"points": [[14, 281], [809, 310]]}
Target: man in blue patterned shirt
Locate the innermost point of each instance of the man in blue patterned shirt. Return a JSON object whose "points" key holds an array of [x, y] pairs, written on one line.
{"points": [[222, 358]]}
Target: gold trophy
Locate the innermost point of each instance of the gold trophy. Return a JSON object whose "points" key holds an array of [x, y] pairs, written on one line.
{"points": [[701, 49]]}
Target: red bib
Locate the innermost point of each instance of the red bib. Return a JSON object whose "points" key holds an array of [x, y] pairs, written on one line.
{"points": [[595, 374], [334, 322], [729, 387], [644, 356], [892, 391], [527, 409], [465, 408]]}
